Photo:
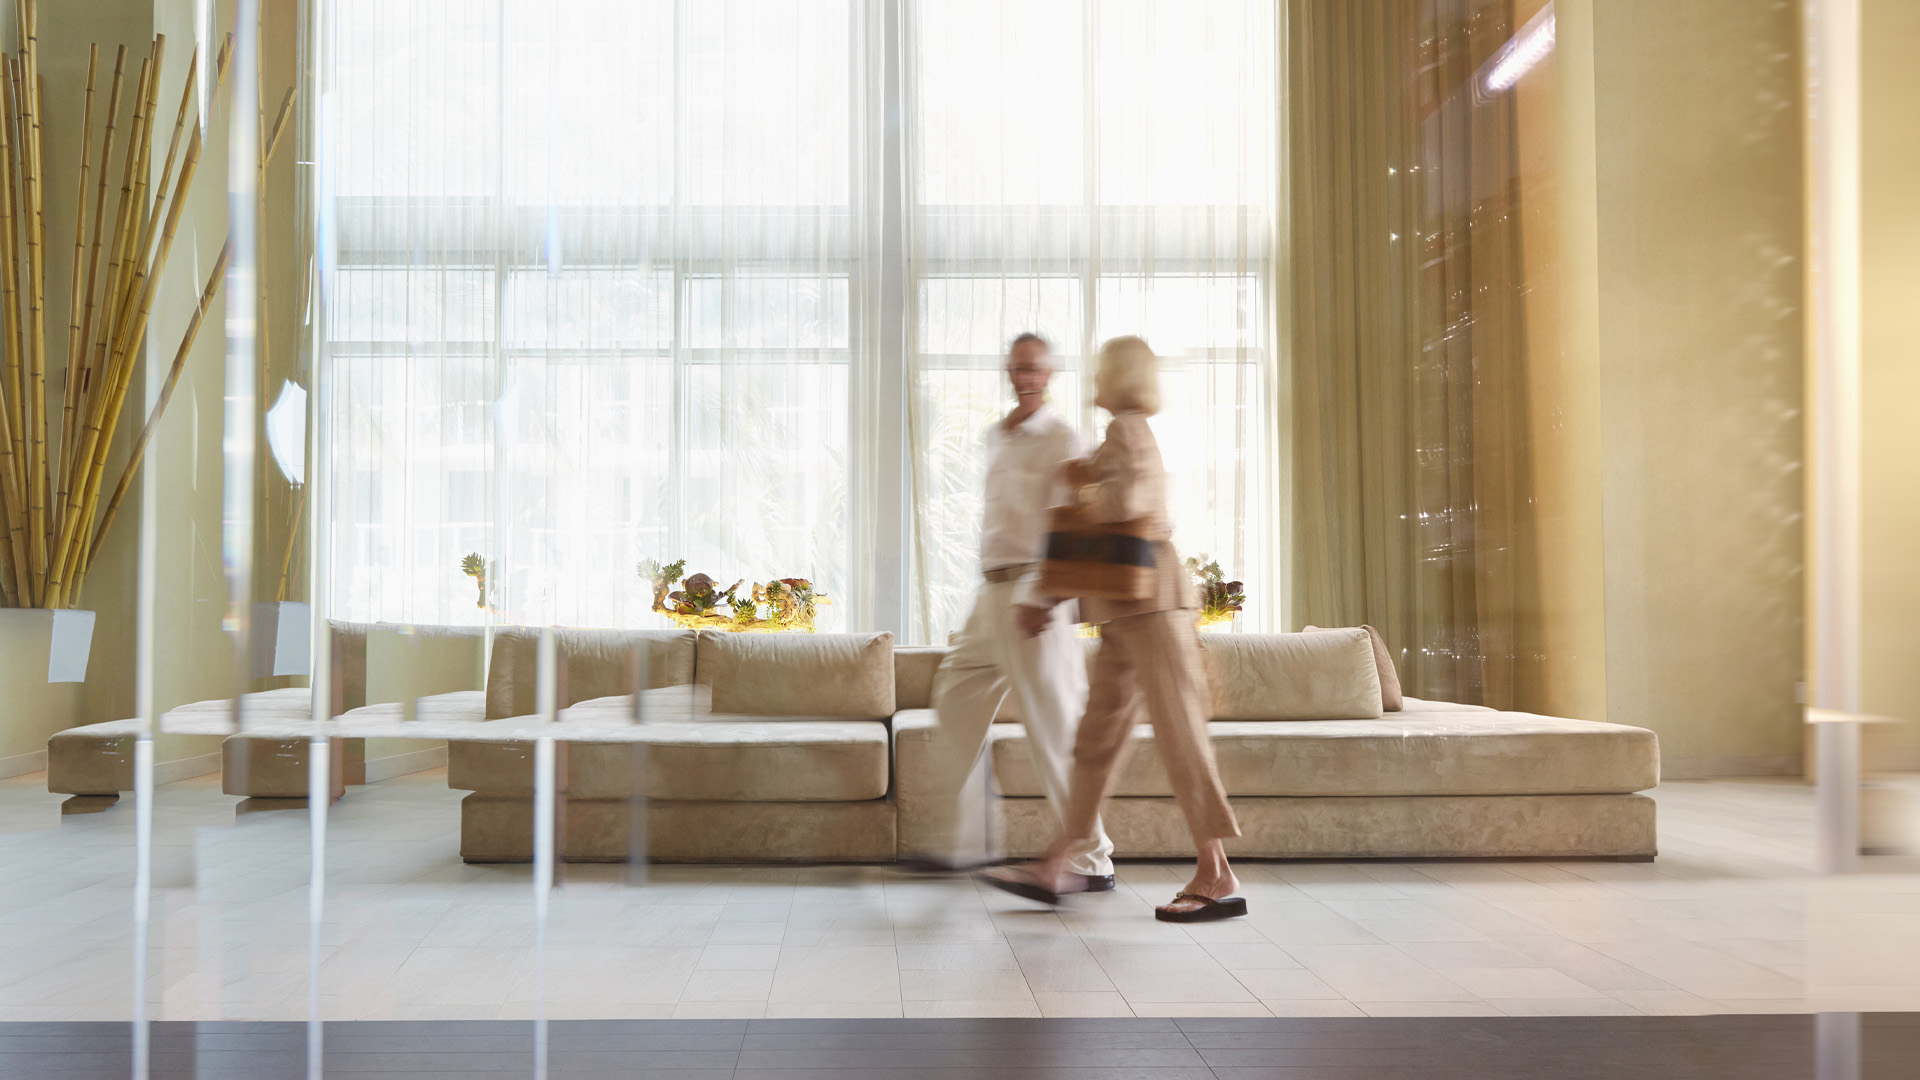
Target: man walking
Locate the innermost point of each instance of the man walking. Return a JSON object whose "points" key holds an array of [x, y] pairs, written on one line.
{"points": [[992, 659]]}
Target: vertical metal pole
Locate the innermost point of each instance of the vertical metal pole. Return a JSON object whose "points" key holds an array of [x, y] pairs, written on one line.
{"points": [[1837, 796], [319, 191], [241, 420], [143, 771], [146, 586], [1836, 1045], [1832, 57], [881, 570], [543, 845]]}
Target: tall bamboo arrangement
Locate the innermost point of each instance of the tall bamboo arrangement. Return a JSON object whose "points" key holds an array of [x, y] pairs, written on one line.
{"points": [[51, 525]]}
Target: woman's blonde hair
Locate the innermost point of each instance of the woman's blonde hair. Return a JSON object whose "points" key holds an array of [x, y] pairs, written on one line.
{"points": [[1129, 375]]}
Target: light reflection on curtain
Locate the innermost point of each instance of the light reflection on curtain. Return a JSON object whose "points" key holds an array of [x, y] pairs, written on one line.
{"points": [[597, 298], [1409, 463], [1083, 171]]}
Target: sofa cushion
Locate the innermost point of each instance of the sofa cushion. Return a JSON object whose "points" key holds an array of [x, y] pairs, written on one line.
{"points": [[349, 661], [459, 706], [914, 667], [287, 704], [718, 758], [591, 663], [800, 675], [414, 661], [1390, 697], [1466, 752], [1326, 675]]}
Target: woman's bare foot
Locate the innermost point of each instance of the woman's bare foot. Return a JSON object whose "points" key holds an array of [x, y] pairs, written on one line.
{"points": [[1212, 878]]}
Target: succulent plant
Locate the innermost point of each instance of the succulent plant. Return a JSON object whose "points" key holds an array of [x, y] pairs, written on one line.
{"points": [[475, 567]]}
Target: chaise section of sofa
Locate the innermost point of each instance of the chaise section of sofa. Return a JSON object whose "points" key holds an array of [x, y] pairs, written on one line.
{"points": [[744, 748], [1433, 780], [384, 676]]}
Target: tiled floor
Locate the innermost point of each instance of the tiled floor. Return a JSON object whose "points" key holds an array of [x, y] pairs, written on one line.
{"points": [[1730, 919], [1884, 1046]]}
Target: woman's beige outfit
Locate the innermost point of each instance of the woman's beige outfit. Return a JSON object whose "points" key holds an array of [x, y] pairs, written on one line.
{"points": [[1149, 656]]}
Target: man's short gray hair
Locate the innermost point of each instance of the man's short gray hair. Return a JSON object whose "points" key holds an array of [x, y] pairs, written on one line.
{"points": [[1026, 337]]}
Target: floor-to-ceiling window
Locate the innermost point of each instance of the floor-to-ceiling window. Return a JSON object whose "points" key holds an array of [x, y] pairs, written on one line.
{"points": [[1085, 170], [611, 285]]}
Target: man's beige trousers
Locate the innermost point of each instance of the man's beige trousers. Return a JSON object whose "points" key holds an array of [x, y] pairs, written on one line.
{"points": [[1047, 679]]}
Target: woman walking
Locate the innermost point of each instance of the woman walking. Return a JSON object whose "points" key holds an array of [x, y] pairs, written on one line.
{"points": [[1149, 658]]}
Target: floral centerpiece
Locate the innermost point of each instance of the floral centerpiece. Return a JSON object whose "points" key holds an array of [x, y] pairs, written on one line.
{"points": [[1220, 599], [782, 605]]}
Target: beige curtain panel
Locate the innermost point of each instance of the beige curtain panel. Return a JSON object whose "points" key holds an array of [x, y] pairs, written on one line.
{"points": [[1406, 338]]}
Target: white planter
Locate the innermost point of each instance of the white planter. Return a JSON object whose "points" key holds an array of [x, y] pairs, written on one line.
{"points": [[62, 639], [282, 633]]}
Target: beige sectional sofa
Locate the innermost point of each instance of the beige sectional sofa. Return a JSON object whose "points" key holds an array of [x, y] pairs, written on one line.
{"points": [[763, 748], [813, 748]]}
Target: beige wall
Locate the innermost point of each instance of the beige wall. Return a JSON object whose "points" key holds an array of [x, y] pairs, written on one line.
{"points": [[1890, 376], [1669, 426]]}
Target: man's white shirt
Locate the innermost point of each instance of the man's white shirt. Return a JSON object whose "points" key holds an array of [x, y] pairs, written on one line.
{"points": [[1023, 480]]}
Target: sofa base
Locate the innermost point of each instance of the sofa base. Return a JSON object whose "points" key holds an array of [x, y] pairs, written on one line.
{"points": [[1401, 827], [96, 759], [499, 828], [272, 768]]}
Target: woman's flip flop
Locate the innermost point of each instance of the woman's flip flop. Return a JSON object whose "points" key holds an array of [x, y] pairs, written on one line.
{"points": [[1210, 910]]}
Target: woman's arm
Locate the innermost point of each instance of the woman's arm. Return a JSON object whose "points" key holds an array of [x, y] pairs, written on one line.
{"points": [[1117, 494]]}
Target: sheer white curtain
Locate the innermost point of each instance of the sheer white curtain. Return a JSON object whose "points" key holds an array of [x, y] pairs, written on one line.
{"points": [[1083, 169], [603, 269], [611, 285]]}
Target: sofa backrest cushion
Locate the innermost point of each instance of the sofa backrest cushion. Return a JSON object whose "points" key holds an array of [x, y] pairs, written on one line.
{"points": [[349, 662], [1326, 675], [1390, 697], [817, 675], [589, 663], [913, 670], [414, 661]]}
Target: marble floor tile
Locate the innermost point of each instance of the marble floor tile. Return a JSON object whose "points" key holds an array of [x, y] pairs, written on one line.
{"points": [[728, 985], [1081, 1003], [1169, 973], [1270, 983], [1377, 972], [836, 973], [1518, 982]]}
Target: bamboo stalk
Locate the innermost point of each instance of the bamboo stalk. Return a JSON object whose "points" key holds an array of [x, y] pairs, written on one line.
{"points": [[84, 360], [72, 394], [279, 125], [14, 389], [166, 171], [16, 377], [37, 464], [214, 281], [132, 255], [16, 507], [110, 307]]}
